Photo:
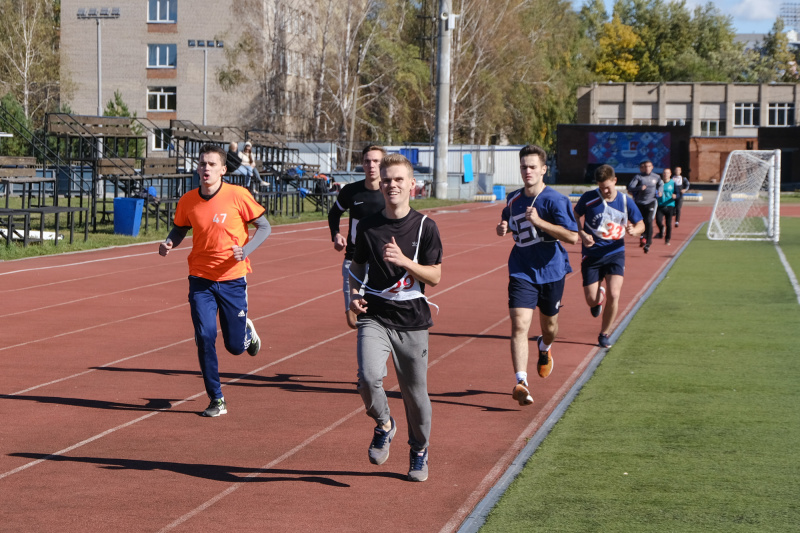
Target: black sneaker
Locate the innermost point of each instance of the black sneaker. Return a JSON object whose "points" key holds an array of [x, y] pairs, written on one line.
{"points": [[642, 242], [597, 309], [418, 465], [646, 248], [379, 447], [604, 341], [677, 224], [255, 340], [658, 235], [216, 407]]}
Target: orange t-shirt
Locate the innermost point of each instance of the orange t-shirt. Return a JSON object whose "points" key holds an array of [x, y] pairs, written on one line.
{"points": [[218, 224]]}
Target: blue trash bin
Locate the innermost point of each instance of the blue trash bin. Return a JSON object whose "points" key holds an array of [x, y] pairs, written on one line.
{"points": [[500, 192], [128, 215]]}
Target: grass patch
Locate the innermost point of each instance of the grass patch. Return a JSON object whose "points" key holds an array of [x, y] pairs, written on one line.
{"points": [[105, 237], [691, 421]]}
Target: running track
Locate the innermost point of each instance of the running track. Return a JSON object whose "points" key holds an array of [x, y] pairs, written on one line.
{"points": [[101, 390]]}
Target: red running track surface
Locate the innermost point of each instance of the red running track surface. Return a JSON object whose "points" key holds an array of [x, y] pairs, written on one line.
{"points": [[101, 390]]}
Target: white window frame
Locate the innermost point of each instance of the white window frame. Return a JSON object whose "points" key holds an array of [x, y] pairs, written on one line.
{"points": [[706, 129], [741, 110], [161, 140], [608, 121], [162, 11], [163, 53], [162, 95], [781, 114]]}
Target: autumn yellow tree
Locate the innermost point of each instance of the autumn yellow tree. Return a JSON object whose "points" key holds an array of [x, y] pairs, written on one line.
{"points": [[615, 60]]}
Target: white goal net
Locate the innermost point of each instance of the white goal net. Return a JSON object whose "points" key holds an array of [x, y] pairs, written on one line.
{"points": [[748, 202]]}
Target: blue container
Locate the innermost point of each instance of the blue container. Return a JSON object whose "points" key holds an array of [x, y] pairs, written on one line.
{"points": [[500, 192], [128, 215]]}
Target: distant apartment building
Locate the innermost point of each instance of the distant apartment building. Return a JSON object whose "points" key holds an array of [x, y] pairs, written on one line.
{"points": [[698, 124], [182, 59], [710, 109]]}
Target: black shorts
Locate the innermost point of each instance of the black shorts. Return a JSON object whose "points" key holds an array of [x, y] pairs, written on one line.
{"points": [[594, 269], [526, 295]]}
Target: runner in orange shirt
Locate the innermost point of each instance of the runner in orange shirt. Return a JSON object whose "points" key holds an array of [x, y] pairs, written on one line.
{"points": [[218, 214]]}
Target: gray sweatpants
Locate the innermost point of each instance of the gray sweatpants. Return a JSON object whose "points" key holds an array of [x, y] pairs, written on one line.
{"points": [[409, 350]]}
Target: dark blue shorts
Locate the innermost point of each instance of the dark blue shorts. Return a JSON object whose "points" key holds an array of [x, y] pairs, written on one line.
{"points": [[526, 295], [594, 269]]}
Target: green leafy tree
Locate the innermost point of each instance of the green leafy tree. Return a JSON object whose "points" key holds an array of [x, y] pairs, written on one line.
{"points": [[14, 145], [775, 62]]}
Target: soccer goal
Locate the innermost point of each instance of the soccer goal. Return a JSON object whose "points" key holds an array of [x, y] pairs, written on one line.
{"points": [[748, 201]]}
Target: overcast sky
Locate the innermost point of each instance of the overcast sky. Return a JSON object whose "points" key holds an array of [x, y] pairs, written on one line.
{"points": [[749, 16]]}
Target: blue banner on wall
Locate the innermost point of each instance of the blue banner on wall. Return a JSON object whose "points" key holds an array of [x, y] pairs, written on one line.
{"points": [[625, 150]]}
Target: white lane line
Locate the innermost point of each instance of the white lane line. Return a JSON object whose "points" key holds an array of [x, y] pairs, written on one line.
{"points": [[274, 313], [115, 258], [174, 280], [208, 503], [789, 272], [181, 402]]}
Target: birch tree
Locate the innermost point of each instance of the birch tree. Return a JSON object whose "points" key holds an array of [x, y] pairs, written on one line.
{"points": [[29, 59]]}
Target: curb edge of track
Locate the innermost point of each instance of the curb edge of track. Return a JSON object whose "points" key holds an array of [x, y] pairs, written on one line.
{"points": [[477, 518]]}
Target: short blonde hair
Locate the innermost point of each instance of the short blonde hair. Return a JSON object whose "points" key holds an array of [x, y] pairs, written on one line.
{"points": [[392, 160]]}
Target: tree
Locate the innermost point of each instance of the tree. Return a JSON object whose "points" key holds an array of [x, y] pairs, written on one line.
{"points": [[775, 61], [29, 59], [615, 55]]}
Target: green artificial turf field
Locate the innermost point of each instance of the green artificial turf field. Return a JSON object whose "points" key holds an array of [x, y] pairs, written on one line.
{"points": [[692, 420]]}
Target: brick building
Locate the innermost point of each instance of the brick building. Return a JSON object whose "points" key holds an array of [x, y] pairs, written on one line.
{"points": [[154, 54]]}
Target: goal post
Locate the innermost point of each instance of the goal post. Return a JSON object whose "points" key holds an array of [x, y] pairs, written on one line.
{"points": [[747, 207]]}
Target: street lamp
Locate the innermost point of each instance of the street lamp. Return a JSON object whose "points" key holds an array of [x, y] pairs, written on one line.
{"points": [[205, 44], [98, 15]]}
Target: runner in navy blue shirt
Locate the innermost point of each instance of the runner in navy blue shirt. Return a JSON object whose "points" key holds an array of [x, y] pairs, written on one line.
{"points": [[538, 217], [608, 215]]}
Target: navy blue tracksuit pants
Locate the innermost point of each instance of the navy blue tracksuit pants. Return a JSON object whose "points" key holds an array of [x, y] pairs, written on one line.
{"points": [[206, 298]]}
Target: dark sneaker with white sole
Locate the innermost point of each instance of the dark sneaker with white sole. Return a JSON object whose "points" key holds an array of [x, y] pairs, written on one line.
{"points": [[604, 341], [597, 309], [379, 447], [255, 340], [216, 407], [418, 465]]}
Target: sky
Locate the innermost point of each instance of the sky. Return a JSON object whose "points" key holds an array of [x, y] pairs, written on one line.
{"points": [[749, 16]]}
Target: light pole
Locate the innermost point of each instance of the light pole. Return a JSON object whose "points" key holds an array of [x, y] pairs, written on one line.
{"points": [[205, 44], [447, 23], [98, 15], [356, 81]]}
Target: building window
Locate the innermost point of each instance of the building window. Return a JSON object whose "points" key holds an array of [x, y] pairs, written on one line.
{"points": [[161, 140], [609, 121], [677, 122], [162, 55], [781, 114], [643, 122], [711, 128], [746, 114], [165, 11], [161, 99]]}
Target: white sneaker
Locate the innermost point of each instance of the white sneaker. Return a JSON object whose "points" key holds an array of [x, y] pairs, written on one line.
{"points": [[255, 340]]}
